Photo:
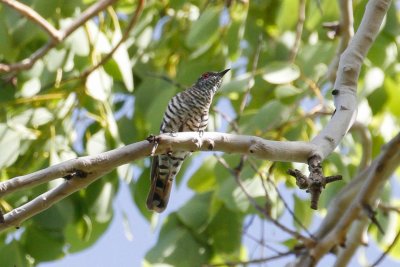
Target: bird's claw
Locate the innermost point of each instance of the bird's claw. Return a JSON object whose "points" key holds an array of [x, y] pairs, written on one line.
{"points": [[201, 133]]}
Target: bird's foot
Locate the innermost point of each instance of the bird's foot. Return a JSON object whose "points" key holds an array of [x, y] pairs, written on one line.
{"points": [[201, 132], [152, 139]]}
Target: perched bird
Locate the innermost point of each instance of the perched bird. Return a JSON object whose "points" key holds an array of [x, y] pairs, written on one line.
{"points": [[186, 112]]}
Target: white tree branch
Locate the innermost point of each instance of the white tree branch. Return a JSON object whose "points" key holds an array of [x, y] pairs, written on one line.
{"points": [[84, 170], [346, 31], [345, 88]]}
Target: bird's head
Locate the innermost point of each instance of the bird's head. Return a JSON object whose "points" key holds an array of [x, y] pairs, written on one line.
{"points": [[211, 80]]}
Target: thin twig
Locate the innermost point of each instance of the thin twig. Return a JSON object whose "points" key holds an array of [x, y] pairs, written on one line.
{"points": [[35, 17], [295, 234], [79, 21], [268, 179], [299, 30], [167, 79], [261, 243], [387, 208], [388, 249], [366, 144], [125, 36], [131, 24], [251, 78]]}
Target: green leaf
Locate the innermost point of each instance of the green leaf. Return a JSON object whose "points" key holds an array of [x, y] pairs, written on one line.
{"points": [[9, 145], [55, 59], [139, 191], [205, 29], [281, 73], [99, 84], [122, 58], [238, 85], [102, 207], [287, 93], [97, 143], [225, 232], [287, 18], [235, 32], [13, 254], [57, 217], [270, 115], [30, 87], [41, 116], [253, 187], [78, 41], [43, 245], [152, 97], [84, 233], [177, 246], [8, 51], [203, 179], [194, 214], [66, 105], [373, 80], [377, 101], [383, 52], [302, 212], [393, 94]]}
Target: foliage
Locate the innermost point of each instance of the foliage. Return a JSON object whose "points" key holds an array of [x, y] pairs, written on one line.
{"points": [[48, 115]]}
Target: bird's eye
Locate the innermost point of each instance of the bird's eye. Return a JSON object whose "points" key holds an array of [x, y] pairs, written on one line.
{"points": [[205, 75]]}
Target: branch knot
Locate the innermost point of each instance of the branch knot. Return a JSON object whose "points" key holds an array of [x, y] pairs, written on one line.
{"points": [[315, 182]]}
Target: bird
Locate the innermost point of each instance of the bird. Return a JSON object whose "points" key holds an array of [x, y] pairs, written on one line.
{"points": [[187, 111]]}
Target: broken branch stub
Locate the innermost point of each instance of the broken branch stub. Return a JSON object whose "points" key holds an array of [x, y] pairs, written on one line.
{"points": [[315, 182]]}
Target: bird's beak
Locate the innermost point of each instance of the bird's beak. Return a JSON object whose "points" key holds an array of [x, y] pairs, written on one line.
{"points": [[222, 73]]}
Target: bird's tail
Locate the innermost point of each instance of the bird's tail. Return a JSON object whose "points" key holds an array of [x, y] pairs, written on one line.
{"points": [[160, 188]]}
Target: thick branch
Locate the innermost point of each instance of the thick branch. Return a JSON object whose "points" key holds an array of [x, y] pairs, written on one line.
{"points": [[346, 31], [186, 141], [83, 171], [345, 87]]}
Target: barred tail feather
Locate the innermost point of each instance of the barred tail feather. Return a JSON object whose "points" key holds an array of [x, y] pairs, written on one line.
{"points": [[160, 188]]}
